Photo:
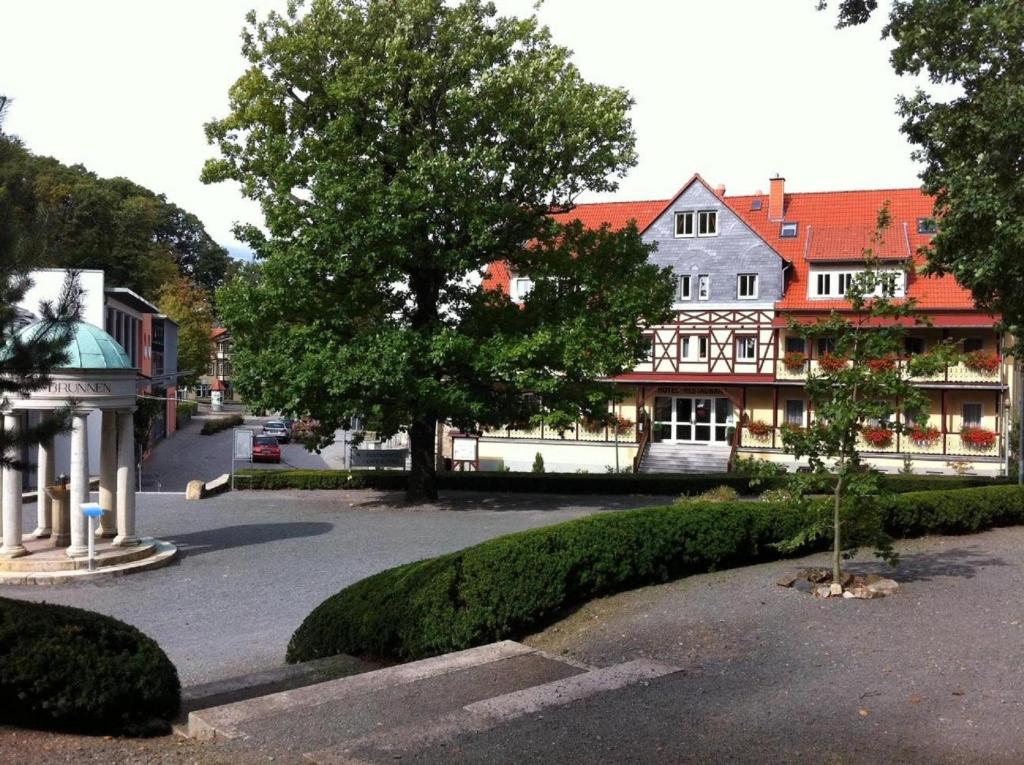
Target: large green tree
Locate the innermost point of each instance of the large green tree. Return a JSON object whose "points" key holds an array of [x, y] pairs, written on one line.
{"points": [[969, 137], [189, 305], [398, 148]]}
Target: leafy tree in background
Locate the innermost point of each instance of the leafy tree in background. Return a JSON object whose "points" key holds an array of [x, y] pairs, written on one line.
{"points": [[972, 143], [189, 306], [25, 363], [397, 150]]}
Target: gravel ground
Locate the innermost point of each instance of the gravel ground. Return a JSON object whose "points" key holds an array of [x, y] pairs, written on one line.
{"points": [[254, 564]]}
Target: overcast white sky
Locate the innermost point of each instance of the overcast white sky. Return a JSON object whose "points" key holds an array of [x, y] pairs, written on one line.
{"points": [[734, 89]]}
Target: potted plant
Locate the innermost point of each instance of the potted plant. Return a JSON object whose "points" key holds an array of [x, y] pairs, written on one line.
{"points": [[982, 361], [977, 437], [924, 435], [759, 429], [794, 361], [830, 362], [877, 436]]}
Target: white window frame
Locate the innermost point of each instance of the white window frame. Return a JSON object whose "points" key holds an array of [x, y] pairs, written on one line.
{"points": [[711, 215], [703, 287], [803, 412], [521, 292], [844, 280], [824, 278], [963, 418], [746, 341], [681, 281], [688, 215], [739, 286], [786, 228], [693, 348]]}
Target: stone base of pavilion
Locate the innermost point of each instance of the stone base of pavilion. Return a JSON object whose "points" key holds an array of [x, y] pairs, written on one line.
{"points": [[46, 564]]}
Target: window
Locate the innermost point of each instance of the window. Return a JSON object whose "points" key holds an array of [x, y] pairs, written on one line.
{"points": [[824, 284], [913, 346], [703, 287], [755, 205], [788, 230], [844, 282], [683, 293], [826, 345], [684, 224], [746, 286], [693, 347], [746, 348], [795, 412], [973, 344], [795, 344], [927, 226], [522, 287], [649, 351], [971, 416], [707, 223]]}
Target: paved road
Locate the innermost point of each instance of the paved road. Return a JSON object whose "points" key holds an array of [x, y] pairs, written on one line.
{"points": [[255, 563]]}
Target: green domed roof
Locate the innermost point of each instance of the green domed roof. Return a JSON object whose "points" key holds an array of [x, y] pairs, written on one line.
{"points": [[90, 348]]}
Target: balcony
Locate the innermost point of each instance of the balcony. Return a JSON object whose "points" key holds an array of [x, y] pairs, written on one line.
{"points": [[605, 434], [946, 444], [957, 373]]}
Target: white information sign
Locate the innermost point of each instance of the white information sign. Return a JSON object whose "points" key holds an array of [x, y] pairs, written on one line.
{"points": [[464, 449], [243, 445]]}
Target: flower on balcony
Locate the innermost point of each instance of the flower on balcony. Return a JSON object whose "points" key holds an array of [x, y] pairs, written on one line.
{"points": [[830, 362], [615, 423], [982, 361], [978, 438], [884, 364], [923, 434], [794, 361], [877, 436], [759, 429]]}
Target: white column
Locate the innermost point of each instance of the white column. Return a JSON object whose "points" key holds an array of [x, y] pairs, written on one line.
{"points": [[44, 478], [125, 481], [79, 483], [108, 474], [12, 546]]}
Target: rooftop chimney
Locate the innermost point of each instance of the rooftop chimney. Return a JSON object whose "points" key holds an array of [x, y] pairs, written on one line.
{"points": [[777, 198], [720, 189]]}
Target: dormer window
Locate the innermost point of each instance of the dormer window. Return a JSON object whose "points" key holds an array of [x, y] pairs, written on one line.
{"points": [[789, 230], [521, 287], [684, 223], [707, 223]]}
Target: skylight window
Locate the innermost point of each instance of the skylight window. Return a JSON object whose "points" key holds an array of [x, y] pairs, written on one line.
{"points": [[789, 230], [755, 205]]}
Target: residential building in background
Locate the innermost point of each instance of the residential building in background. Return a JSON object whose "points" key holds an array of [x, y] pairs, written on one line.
{"points": [[727, 375], [219, 372]]}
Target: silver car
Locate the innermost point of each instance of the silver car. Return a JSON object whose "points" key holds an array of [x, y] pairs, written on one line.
{"points": [[279, 430]]}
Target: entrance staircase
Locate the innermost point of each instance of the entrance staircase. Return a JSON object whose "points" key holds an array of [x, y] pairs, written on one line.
{"points": [[685, 458], [389, 714]]}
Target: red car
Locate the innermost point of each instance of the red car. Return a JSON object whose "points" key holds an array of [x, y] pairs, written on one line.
{"points": [[266, 449]]}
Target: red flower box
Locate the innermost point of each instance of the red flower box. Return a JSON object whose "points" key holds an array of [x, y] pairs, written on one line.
{"points": [[794, 361], [880, 438], [980, 361], [978, 438], [924, 435], [886, 364], [829, 362], [759, 429]]}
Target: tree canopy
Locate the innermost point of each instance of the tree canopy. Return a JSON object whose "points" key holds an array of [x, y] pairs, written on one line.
{"points": [[397, 150], [190, 307]]}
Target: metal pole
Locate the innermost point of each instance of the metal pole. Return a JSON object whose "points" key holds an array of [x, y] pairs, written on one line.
{"points": [[92, 542]]}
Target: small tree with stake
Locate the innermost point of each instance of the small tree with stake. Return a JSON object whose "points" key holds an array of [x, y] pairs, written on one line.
{"points": [[851, 397]]}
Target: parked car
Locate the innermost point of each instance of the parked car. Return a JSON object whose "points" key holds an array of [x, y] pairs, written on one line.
{"points": [[279, 430], [266, 449]]}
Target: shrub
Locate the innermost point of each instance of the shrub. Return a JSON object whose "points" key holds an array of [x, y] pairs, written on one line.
{"points": [[217, 424], [717, 494], [538, 463], [514, 584], [187, 408], [68, 669], [509, 586]]}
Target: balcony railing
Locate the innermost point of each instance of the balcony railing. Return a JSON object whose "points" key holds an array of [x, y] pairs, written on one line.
{"points": [[579, 433], [957, 373], [948, 444]]}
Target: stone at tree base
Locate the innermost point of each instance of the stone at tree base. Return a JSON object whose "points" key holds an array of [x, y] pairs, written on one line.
{"points": [[883, 586], [194, 491], [848, 594], [822, 591], [802, 585], [788, 580], [835, 588]]}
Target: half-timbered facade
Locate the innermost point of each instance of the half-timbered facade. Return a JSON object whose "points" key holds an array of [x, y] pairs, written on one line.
{"points": [[726, 375]]}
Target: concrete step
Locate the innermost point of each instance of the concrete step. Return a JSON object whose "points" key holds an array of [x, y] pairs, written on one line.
{"points": [[387, 746]]}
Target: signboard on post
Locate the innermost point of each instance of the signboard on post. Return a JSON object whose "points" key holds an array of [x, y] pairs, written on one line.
{"points": [[241, 449], [379, 458], [465, 452]]}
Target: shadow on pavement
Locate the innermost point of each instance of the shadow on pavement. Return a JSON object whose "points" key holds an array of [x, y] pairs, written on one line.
{"points": [[244, 535], [961, 562], [471, 500]]}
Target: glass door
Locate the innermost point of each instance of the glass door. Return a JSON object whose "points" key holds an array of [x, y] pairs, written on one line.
{"points": [[684, 419], [702, 413], [661, 428]]}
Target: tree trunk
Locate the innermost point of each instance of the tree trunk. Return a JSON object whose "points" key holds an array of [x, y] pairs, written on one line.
{"points": [[422, 486], [837, 572], [1020, 418]]}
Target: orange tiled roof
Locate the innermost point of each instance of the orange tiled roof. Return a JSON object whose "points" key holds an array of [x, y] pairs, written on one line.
{"points": [[846, 243], [217, 332]]}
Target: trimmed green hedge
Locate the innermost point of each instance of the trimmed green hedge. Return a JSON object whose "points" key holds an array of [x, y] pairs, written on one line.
{"points": [[512, 585], [67, 669], [568, 483], [218, 424]]}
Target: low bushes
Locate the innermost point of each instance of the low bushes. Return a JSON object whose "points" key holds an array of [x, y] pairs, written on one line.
{"points": [[68, 669], [218, 424], [572, 483], [511, 585], [507, 587]]}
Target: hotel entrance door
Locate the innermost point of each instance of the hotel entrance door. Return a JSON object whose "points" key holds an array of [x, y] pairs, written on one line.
{"points": [[692, 419]]}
